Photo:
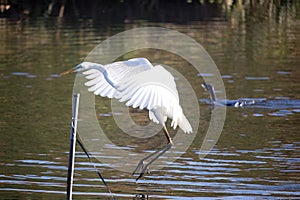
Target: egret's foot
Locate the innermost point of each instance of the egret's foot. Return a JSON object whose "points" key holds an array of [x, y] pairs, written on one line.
{"points": [[141, 170], [139, 167], [144, 170]]}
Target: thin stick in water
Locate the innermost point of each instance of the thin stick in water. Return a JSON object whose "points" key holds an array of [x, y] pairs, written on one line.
{"points": [[72, 146]]}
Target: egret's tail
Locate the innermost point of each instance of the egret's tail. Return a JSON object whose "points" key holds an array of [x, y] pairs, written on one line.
{"points": [[185, 125]]}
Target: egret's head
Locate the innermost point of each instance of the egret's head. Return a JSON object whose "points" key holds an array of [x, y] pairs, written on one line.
{"points": [[80, 67]]}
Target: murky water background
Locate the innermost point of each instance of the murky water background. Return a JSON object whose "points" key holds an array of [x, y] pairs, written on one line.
{"points": [[257, 155]]}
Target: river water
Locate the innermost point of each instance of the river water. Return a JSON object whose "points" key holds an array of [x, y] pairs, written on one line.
{"points": [[257, 156]]}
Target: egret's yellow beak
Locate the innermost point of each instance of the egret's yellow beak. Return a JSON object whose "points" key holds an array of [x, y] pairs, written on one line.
{"points": [[67, 72], [70, 70]]}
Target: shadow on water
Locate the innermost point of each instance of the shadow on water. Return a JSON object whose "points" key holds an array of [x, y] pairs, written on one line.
{"points": [[257, 53]]}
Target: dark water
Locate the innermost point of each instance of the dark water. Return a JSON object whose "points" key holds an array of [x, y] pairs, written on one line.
{"points": [[256, 157]]}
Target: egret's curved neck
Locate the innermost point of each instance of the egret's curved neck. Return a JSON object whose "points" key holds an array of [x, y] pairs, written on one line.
{"points": [[105, 73]]}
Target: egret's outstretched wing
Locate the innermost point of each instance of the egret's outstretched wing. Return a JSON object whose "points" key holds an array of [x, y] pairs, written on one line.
{"points": [[155, 90], [98, 84], [141, 85], [148, 89], [103, 78]]}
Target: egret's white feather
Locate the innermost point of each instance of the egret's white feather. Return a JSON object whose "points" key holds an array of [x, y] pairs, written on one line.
{"points": [[151, 98], [103, 89], [106, 91], [117, 71], [94, 76], [92, 73], [152, 117], [138, 96], [110, 74], [99, 87], [157, 76], [94, 87], [95, 81], [148, 98]]}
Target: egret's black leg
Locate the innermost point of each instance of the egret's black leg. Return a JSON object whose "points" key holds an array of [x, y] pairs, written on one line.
{"points": [[140, 166], [155, 156], [145, 168]]}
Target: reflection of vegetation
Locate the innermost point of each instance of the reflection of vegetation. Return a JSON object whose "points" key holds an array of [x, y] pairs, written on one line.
{"points": [[153, 10], [274, 16]]}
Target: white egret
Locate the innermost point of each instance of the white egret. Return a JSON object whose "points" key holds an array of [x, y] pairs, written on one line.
{"points": [[140, 84]]}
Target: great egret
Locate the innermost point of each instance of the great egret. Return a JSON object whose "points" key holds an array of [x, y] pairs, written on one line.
{"points": [[142, 85]]}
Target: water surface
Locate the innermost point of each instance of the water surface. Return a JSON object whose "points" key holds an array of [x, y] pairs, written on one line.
{"points": [[257, 155]]}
